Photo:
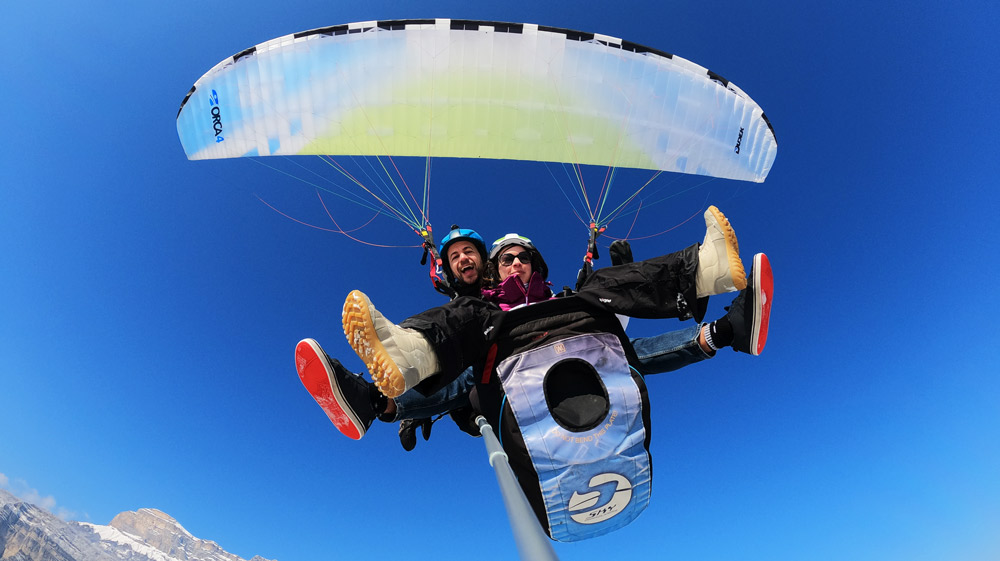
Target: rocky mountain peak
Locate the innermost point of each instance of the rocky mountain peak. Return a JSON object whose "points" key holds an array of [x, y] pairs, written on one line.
{"points": [[153, 527], [160, 531], [29, 533]]}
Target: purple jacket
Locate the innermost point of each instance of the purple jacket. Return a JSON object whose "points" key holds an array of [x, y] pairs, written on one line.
{"points": [[511, 293]]}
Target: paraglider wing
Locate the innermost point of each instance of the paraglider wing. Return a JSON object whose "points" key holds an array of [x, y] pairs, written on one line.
{"points": [[469, 89]]}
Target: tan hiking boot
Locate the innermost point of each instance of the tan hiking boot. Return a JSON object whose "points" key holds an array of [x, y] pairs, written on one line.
{"points": [[719, 266], [397, 358]]}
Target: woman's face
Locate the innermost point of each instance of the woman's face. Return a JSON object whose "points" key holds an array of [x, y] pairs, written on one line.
{"points": [[515, 266]]}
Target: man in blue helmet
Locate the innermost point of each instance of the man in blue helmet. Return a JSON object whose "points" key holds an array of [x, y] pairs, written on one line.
{"points": [[463, 256]]}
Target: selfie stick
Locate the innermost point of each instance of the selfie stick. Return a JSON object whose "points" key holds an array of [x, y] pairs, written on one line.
{"points": [[532, 543]]}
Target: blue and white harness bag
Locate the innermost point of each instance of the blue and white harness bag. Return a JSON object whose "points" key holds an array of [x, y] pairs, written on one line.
{"points": [[593, 468]]}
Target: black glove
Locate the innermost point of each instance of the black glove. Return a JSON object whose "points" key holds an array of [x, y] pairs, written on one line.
{"points": [[465, 418], [621, 252], [408, 432]]}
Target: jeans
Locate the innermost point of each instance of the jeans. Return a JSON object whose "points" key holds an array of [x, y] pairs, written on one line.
{"points": [[663, 353], [669, 351], [414, 405]]}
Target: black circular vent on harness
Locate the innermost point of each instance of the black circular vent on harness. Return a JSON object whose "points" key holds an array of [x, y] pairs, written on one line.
{"points": [[576, 395]]}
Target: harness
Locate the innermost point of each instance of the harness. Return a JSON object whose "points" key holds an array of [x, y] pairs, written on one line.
{"points": [[572, 416]]}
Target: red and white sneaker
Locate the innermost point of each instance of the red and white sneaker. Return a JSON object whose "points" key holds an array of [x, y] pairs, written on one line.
{"points": [[750, 312], [343, 395]]}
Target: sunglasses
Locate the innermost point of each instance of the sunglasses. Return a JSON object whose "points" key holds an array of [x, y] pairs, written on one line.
{"points": [[507, 259]]}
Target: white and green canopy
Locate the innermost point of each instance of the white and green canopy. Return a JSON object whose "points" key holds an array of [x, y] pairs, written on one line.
{"points": [[474, 89]]}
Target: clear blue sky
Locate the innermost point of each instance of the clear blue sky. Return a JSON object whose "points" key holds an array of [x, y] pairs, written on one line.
{"points": [[149, 306]]}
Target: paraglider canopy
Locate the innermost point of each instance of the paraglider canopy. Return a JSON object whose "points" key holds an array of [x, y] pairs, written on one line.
{"points": [[476, 89]]}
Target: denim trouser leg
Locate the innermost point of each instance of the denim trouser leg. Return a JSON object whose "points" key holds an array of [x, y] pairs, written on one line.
{"points": [[413, 405], [669, 351]]}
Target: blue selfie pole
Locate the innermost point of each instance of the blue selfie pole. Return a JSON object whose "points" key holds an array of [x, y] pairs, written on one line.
{"points": [[532, 543]]}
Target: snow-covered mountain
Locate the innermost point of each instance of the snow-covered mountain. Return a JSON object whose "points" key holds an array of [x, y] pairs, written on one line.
{"points": [[29, 533]]}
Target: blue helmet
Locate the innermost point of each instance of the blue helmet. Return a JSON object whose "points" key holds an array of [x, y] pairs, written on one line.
{"points": [[460, 234]]}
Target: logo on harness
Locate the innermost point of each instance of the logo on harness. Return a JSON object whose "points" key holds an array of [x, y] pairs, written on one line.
{"points": [[615, 505], [579, 411]]}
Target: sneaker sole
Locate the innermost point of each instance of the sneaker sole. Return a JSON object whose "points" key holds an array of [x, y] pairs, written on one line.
{"points": [[360, 331], [763, 282], [736, 270], [321, 383]]}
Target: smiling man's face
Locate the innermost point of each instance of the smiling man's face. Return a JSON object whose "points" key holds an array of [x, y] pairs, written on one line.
{"points": [[465, 261]]}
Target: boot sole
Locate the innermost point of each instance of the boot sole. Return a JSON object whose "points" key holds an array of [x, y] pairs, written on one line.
{"points": [[360, 331], [763, 282], [321, 383], [736, 271]]}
